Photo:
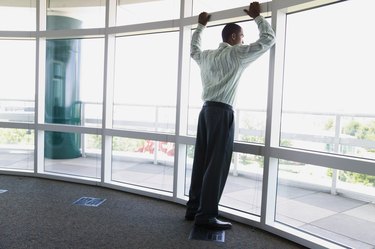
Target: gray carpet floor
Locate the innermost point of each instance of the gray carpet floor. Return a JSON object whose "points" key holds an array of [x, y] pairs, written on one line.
{"points": [[39, 213]]}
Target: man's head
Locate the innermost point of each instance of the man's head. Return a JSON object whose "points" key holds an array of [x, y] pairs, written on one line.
{"points": [[232, 34]]}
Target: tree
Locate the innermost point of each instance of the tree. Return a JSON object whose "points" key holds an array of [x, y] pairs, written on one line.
{"points": [[16, 136], [360, 131]]}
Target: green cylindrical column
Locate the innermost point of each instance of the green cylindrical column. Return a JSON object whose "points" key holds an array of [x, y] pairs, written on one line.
{"points": [[62, 102]]}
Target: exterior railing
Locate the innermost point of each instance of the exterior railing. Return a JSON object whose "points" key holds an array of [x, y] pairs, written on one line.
{"points": [[23, 111], [16, 110]]}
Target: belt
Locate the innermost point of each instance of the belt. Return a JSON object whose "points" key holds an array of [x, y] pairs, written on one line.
{"points": [[217, 104]]}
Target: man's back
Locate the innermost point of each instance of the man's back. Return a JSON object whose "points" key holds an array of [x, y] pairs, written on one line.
{"points": [[218, 69], [222, 68]]}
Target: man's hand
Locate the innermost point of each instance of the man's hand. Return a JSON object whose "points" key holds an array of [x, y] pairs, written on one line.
{"points": [[254, 10], [203, 18]]}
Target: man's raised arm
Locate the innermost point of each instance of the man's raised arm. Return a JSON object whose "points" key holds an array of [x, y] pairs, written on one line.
{"points": [[195, 45]]}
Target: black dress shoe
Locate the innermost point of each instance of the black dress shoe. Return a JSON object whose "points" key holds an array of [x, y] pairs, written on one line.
{"points": [[214, 224]]}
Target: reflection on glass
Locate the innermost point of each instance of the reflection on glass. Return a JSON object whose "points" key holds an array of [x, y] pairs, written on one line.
{"points": [[62, 104], [17, 149], [17, 78], [146, 82], [243, 189], [251, 100], [74, 76], [328, 103], [75, 14], [18, 15], [73, 154], [145, 163], [304, 201], [131, 12]]}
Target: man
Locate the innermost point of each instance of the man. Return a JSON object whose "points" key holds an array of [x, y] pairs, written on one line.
{"points": [[220, 72]]}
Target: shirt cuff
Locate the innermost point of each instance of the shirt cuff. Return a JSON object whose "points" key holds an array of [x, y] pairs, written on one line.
{"points": [[201, 26]]}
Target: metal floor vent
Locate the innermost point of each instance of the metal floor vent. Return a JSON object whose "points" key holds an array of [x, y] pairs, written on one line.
{"points": [[89, 201], [3, 191], [199, 233]]}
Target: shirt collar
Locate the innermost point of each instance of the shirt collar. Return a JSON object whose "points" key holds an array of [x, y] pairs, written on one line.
{"points": [[224, 45]]}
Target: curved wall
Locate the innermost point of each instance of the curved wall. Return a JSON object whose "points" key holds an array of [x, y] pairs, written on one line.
{"points": [[303, 164]]}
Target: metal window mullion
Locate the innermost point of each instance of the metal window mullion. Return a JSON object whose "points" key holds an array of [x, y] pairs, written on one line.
{"points": [[108, 81], [340, 162], [336, 149], [182, 102], [41, 12], [273, 122]]}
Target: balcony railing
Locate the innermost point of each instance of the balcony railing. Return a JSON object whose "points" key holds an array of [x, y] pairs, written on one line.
{"points": [[16, 110]]}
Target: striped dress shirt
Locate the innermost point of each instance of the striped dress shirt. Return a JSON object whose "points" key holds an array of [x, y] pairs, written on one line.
{"points": [[222, 68]]}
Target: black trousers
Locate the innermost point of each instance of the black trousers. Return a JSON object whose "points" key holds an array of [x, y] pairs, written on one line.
{"points": [[212, 158]]}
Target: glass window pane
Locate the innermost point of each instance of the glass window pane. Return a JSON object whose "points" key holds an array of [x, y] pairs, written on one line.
{"points": [[252, 91], [74, 81], [135, 11], [137, 162], [75, 14], [243, 189], [328, 98], [145, 89], [251, 99], [72, 154], [304, 201], [17, 149], [11, 11], [218, 5], [17, 98]]}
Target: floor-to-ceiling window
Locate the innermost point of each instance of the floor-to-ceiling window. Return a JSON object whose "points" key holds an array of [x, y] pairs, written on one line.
{"points": [[17, 81], [328, 107], [135, 12], [17, 96], [145, 89], [73, 73], [11, 11], [105, 91], [328, 67], [145, 96]]}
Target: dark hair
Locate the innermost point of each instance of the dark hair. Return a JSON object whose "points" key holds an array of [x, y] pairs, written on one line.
{"points": [[229, 29]]}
